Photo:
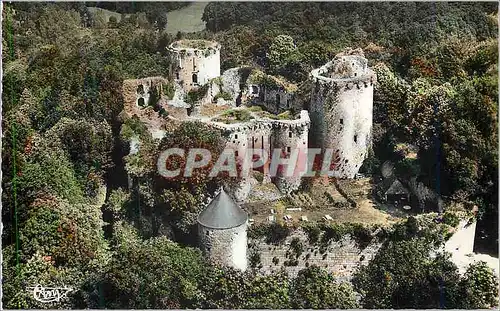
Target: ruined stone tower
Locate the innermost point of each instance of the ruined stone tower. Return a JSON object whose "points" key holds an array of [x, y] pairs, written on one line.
{"points": [[341, 110], [222, 232], [195, 62]]}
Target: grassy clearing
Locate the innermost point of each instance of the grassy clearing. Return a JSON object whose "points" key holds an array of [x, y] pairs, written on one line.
{"points": [[187, 19]]}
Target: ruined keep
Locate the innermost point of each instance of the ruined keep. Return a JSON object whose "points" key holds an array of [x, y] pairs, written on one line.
{"points": [[268, 135], [195, 62], [341, 110], [335, 107], [222, 232]]}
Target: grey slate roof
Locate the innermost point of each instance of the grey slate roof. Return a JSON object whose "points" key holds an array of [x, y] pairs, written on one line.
{"points": [[222, 213], [397, 188]]}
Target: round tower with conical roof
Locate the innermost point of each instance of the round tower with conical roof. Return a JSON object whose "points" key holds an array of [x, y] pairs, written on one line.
{"points": [[222, 230]]}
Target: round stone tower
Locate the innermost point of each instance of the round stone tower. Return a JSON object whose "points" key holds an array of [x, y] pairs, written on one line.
{"points": [[222, 232], [341, 110], [195, 62]]}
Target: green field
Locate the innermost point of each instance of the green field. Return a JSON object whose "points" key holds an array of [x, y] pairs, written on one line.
{"points": [[187, 19]]}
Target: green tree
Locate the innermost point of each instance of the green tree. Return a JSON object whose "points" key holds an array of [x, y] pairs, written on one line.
{"points": [[404, 275], [479, 287], [317, 289], [132, 280], [268, 292]]}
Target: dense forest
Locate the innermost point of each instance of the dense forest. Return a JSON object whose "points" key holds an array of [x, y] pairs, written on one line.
{"points": [[63, 67]]}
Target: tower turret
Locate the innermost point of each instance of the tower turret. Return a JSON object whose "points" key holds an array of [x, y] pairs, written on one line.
{"points": [[195, 62], [222, 230], [341, 110]]}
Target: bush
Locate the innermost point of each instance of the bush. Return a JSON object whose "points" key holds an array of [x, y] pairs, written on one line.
{"points": [[362, 235], [291, 263], [196, 95], [479, 287], [313, 233], [316, 288], [451, 219], [255, 108], [297, 246], [255, 259], [168, 90], [278, 233], [224, 95], [276, 260], [332, 231], [258, 176]]}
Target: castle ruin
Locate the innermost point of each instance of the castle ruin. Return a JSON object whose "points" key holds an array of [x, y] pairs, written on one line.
{"points": [[341, 110], [338, 117], [195, 62]]}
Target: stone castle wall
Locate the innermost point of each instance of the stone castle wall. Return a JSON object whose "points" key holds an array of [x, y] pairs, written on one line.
{"points": [[268, 135], [341, 257], [341, 113], [274, 100], [225, 246], [195, 66]]}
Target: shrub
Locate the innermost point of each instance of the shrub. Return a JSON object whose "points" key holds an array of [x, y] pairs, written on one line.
{"points": [[297, 246], [255, 259], [287, 115], [168, 90], [313, 233], [196, 95], [332, 231], [276, 260], [361, 234], [451, 219], [316, 288], [274, 233], [291, 263], [479, 287], [258, 176], [224, 95], [255, 108]]}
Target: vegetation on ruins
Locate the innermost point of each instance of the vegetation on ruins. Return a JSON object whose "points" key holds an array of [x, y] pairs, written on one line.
{"points": [[168, 90], [64, 140], [224, 95], [234, 116], [193, 44], [195, 95]]}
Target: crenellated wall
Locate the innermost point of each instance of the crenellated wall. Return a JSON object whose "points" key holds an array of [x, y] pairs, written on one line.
{"points": [[341, 111], [195, 62], [267, 135]]}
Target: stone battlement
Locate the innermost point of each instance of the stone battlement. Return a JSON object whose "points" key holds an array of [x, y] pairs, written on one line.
{"points": [[346, 68], [256, 124], [194, 47]]}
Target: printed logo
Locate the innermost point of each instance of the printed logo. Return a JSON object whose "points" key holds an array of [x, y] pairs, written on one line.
{"points": [[49, 294]]}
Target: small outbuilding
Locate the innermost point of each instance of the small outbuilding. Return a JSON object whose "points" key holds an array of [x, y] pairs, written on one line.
{"points": [[396, 192]]}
